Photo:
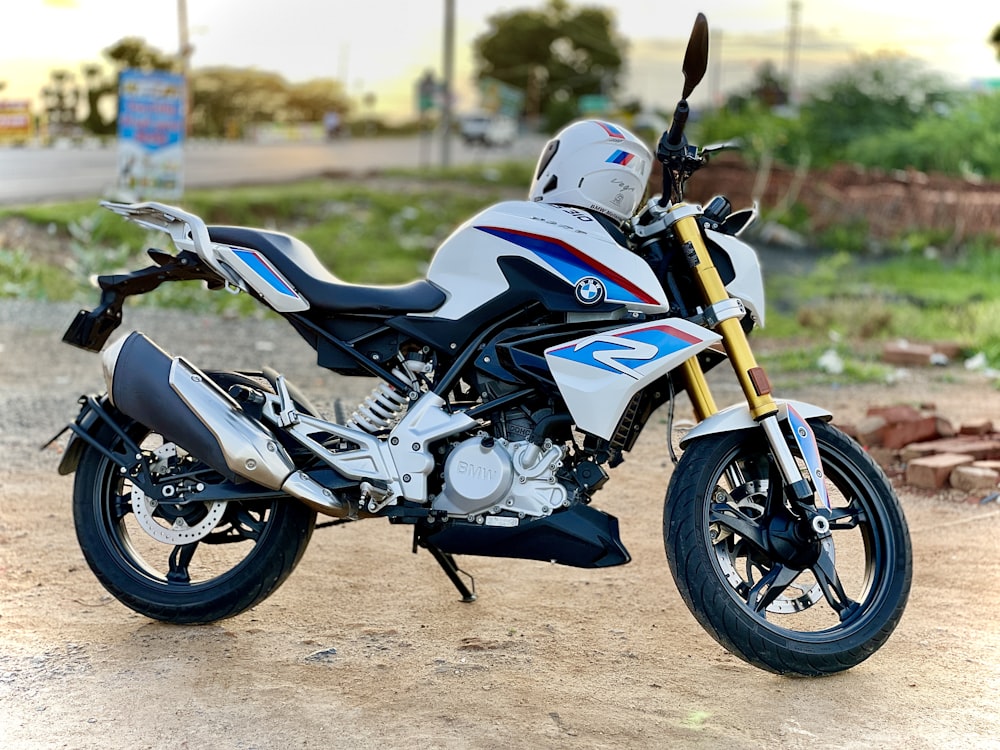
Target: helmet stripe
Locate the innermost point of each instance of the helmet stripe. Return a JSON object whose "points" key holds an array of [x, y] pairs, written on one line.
{"points": [[620, 157], [610, 129]]}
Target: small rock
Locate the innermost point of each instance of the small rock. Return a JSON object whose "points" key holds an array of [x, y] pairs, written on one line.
{"points": [[323, 656]]}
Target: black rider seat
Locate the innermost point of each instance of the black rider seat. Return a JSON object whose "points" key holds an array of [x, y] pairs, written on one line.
{"points": [[325, 292]]}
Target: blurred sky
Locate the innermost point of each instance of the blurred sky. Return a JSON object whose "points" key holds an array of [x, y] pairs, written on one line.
{"points": [[383, 46]]}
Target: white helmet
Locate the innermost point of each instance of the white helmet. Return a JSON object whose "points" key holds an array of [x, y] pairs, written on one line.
{"points": [[594, 165]]}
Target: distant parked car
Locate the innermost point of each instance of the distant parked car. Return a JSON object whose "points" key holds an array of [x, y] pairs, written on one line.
{"points": [[487, 129]]}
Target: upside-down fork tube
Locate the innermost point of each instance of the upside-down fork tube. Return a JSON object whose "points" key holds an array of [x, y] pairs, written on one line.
{"points": [[753, 380], [698, 391]]}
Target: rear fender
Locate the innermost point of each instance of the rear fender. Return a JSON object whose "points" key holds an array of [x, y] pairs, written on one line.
{"points": [[96, 411]]}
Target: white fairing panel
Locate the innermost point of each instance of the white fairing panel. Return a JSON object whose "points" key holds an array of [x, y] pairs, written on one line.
{"points": [[597, 375], [566, 242], [748, 286]]}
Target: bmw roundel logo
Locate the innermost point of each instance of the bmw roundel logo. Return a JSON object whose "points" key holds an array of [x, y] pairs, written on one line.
{"points": [[590, 291]]}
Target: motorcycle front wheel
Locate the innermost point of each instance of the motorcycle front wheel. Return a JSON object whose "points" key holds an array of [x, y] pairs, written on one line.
{"points": [[185, 562], [757, 575]]}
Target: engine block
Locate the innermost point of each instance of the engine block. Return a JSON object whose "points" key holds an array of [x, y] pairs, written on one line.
{"points": [[486, 475]]}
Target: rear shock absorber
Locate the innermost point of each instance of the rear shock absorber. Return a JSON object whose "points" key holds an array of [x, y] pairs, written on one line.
{"points": [[384, 407]]}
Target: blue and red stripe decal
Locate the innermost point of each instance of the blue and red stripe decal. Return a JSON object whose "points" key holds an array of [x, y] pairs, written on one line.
{"points": [[260, 266], [573, 264], [604, 350], [620, 157], [611, 130]]}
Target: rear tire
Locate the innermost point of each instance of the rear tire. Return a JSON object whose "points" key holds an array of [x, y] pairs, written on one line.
{"points": [[251, 550], [758, 584]]}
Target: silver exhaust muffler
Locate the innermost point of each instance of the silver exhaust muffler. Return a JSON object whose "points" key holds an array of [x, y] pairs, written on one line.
{"points": [[176, 399]]}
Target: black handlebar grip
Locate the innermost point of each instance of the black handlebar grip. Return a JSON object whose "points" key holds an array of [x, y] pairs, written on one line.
{"points": [[675, 136]]}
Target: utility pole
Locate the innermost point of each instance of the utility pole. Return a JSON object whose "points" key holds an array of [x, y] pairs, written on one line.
{"points": [[794, 7], [715, 70], [449, 72], [184, 53]]}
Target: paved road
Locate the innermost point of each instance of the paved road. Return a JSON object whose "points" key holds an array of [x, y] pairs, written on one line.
{"points": [[32, 175]]}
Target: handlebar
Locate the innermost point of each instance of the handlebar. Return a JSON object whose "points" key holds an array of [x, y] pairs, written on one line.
{"points": [[675, 135]]}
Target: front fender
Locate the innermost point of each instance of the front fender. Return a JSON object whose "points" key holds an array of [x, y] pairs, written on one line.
{"points": [[737, 417]]}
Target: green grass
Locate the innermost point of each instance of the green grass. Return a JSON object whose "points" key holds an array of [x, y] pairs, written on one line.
{"points": [[22, 278], [385, 231], [362, 233]]}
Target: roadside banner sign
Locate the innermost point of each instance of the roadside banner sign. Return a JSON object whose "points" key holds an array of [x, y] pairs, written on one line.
{"points": [[427, 93], [594, 104], [501, 98], [151, 129], [16, 124]]}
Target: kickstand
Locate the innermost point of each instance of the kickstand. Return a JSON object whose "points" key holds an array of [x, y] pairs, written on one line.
{"points": [[447, 562]]}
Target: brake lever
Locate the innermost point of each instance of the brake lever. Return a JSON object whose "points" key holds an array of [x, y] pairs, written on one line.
{"points": [[714, 148]]}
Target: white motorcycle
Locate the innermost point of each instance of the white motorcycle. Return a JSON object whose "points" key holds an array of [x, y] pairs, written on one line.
{"points": [[544, 336]]}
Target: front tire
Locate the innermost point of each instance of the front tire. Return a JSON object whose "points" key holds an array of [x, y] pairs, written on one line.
{"points": [[249, 551], [759, 581]]}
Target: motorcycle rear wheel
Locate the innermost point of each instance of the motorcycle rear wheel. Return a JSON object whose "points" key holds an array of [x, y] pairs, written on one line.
{"points": [[249, 552], [757, 579]]}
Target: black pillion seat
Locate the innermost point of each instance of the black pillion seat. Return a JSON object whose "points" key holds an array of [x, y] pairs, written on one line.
{"points": [[298, 263]]}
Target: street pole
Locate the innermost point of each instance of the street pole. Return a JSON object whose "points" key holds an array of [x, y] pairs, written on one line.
{"points": [[184, 52], [794, 8], [449, 64]]}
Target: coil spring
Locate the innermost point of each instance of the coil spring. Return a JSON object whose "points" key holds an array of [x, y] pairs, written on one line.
{"points": [[384, 407]]}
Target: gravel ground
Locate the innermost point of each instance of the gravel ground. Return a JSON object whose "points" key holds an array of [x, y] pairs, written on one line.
{"points": [[367, 646], [42, 377]]}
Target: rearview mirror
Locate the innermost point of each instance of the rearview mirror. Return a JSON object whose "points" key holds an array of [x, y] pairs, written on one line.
{"points": [[696, 56]]}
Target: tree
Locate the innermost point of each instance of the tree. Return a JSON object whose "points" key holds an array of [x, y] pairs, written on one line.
{"points": [[876, 94], [98, 86], [995, 39], [132, 52], [224, 100], [555, 55], [769, 89], [63, 95], [311, 100], [60, 98]]}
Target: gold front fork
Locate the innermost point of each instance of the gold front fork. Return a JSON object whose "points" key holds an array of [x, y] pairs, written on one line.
{"points": [[753, 380]]}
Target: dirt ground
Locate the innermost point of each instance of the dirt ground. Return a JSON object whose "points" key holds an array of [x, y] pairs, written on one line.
{"points": [[368, 646]]}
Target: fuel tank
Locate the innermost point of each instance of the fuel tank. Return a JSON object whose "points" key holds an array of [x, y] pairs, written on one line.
{"points": [[566, 242]]}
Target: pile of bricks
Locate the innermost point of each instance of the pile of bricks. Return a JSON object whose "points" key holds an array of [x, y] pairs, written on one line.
{"points": [[918, 447]]}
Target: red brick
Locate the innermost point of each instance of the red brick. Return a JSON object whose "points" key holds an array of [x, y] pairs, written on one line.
{"points": [[905, 353], [898, 434], [973, 478], [945, 428], [917, 450], [932, 472], [979, 449], [895, 413], [976, 427], [870, 430]]}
